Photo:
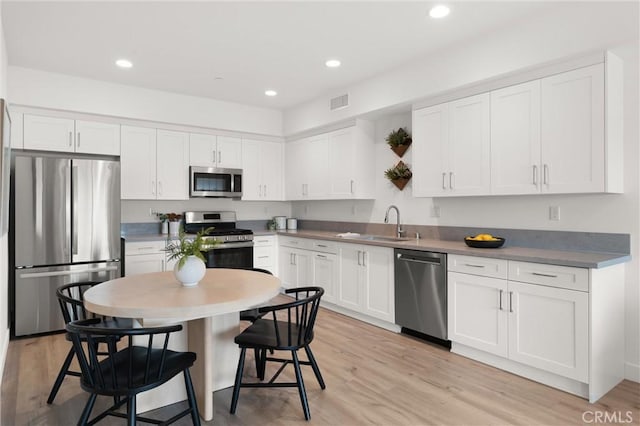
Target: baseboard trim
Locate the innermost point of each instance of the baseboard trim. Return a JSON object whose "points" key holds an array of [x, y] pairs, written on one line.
{"points": [[632, 372], [4, 348], [362, 317]]}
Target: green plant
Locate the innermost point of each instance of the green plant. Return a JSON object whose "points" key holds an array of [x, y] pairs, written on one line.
{"points": [[162, 217], [399, 171], [174, 217], [185, 247], [398, 137]]}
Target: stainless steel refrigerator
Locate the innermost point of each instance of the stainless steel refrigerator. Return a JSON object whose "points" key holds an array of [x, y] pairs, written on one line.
{"points": [[65, 229]]}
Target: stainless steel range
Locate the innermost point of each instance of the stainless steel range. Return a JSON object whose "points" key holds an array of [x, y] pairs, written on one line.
{"points": [[235, 247]]}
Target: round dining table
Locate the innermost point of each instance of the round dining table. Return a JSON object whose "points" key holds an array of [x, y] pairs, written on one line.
{"points": [[208, 312]]}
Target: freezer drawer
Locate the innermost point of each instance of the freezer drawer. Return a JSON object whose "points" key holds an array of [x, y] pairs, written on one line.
{"points": [[36, 308]]}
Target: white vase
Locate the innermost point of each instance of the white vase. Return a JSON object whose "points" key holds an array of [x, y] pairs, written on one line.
{"points": [[174, 228], [165, 227], [191, 272]]}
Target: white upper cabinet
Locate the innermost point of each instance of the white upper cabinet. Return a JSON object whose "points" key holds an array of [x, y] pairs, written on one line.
{"points": [[67, 135], [452, 148], [154, 164], [333, 165], [215, 151], [262, 170], [573, 131], [515, 139], [172, 159]]}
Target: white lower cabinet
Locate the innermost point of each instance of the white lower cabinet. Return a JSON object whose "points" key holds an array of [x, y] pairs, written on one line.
{"points": [[293, 267], [265, 253], [366, 280], [324, 273], [144, 257], [555, 324]]}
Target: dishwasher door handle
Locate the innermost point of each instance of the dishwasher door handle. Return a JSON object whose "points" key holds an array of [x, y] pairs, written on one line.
{"points": [[426, 261]]}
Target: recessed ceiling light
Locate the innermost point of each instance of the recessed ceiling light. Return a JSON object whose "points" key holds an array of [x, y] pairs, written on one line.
{"points": [[332, 63], [124, 63], [439, 11], [270, 92]]}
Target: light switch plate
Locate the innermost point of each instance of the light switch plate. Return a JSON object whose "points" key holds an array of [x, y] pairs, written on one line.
{"points": [[554, 212]]}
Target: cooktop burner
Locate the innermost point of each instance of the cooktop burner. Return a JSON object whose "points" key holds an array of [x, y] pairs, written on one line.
{"points": [[223, 223]]}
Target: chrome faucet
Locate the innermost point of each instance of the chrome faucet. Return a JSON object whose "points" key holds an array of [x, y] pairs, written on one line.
{"points": [[399, 230]]}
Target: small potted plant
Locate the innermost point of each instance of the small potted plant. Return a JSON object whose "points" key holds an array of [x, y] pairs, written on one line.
{"points": [[174, 223], [399, 175], [190, 267], [164, 221], [399, 141]]}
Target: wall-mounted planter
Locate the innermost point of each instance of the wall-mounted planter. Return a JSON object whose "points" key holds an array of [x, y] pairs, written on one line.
{"points": [[400, 183], [400, 149], [399, 141], [399, 175]]}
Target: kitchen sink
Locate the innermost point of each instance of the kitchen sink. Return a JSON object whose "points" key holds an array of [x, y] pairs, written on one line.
{"points": [[376, 238]]}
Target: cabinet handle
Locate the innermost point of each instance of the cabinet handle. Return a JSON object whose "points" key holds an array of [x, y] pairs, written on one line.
{"points": [[321, 256], [219, 156], [70, 138], [213, 156], [265, 189], [471, 265], [500, 297], [352, 186], [540, 274], [451, 181], [295, 259], [321, 245], [259, 190], [159, 187], [545, 174], [359, 264], [510, 301], [263, 257], [444, 176], [535, 175], [78, 140], [153, 187]]}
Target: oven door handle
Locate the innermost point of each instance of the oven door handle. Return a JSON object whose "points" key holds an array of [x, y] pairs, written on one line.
{"points": [[231, 245]]}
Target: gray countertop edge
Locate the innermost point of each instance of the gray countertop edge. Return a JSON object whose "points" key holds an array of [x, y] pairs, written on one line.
{"points": [[579, 259]]}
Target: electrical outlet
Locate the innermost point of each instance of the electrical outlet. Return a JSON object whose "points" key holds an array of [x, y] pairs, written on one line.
{"points": [[435, 211], [554, 212]]}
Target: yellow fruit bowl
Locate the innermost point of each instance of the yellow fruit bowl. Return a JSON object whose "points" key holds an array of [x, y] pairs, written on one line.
{"points": [[484, 241]]}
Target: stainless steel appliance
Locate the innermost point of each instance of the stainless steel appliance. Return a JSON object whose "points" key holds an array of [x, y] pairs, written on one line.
{"points": [[235, 248], [214, 182], [421, 293], [66, 228]]}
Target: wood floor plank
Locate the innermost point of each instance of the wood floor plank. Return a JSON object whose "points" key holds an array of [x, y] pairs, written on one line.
{"points": [[373, 377]]}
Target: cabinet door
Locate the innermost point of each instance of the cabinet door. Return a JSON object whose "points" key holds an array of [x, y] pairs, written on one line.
{"points": [[48, 133], [317, 167], [288, 273], [549, 329], [229, 152], [172, 165], [477, 312], [469, 146], [430, 140], [377, 278], [138, 163], [572, 132], [350, 292], [202, 150], [295, 174], [271, 170], [251, 163], [97, 138], [341, 152], [144, 264], [324, 271], [515, 139]]}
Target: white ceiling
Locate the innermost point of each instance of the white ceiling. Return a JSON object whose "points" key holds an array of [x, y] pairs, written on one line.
{"points": [[183, 46]]}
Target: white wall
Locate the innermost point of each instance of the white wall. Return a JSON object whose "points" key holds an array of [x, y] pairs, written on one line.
{"points": [[4, 305], [574, 28], [58, 91], [589, 212]]}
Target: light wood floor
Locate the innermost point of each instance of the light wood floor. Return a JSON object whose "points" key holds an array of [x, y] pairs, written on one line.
{"points": [[374, 377]]}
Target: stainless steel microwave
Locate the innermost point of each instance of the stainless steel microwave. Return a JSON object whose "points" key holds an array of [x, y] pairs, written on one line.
{"points": [[214, 182]]}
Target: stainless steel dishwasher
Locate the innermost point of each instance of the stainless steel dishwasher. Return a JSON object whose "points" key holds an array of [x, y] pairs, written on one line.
{"points": [[421, 293]]}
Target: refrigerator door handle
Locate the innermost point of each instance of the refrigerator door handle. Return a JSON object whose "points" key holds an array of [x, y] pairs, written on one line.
{"points": [[66, 273], [74, 210]]}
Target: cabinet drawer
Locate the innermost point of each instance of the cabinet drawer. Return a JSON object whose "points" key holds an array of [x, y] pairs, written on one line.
{"points": [[264, 241], [550, 275], [301, 243], [263, 256], [144, 247], [483, 266], [324, 246]]}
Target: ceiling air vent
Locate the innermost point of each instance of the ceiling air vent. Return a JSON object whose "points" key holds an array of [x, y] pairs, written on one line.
{"points": [[339, 102]]}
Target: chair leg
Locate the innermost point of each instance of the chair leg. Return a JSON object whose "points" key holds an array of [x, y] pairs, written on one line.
{"points": [[191, 397], [314, 365], [301, 390], [61, 374], [131, 411], [238, 382], [86, 412], [258, 357], [263, 363]]}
